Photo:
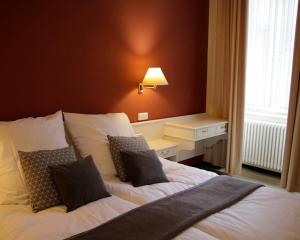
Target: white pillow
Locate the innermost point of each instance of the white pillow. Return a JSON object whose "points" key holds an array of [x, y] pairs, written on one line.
{"points": [[89, 133], [28, 134]]}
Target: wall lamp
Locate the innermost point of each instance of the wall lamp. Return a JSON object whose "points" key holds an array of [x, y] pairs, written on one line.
{"points": [[154, 77]]}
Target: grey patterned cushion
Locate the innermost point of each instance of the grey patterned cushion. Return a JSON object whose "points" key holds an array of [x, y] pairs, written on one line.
{"points": [[120, 143], [35, 166]]}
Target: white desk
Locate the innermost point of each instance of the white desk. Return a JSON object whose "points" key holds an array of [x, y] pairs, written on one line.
{"points": [[164, 148], [192, 134], [188, 132]]}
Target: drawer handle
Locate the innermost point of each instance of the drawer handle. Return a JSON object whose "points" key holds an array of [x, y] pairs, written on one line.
{"points": [[204, 130]]}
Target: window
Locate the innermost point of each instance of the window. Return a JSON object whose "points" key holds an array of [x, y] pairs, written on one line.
{"points": [[271, 33]]}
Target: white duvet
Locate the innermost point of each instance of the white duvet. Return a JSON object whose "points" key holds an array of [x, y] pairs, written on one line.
{"points": [[265, 214], [19, 222]]}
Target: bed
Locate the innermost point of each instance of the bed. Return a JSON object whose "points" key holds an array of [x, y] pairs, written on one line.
{"points": [[19, 222], [266, 213]]}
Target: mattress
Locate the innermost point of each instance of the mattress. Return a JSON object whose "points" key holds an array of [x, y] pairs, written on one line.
{"points": [[180, 176], [19, 222], [267, 213]]}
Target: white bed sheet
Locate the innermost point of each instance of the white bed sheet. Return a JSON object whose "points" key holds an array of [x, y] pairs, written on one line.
{"points": [[18, 221], [180, 176], [177, 172], [267, 213]]}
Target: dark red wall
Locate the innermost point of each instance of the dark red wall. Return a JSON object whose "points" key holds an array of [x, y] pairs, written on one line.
{"points": [[88, 56]]}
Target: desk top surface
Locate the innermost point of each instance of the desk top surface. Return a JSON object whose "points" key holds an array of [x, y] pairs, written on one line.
{"points": [[197, 122]]}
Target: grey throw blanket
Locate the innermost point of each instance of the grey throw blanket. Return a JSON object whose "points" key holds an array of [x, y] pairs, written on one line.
{"points": [[167, 217]]}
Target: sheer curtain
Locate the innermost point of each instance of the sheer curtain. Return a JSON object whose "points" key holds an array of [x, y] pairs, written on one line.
{"points": [[271, 26]]}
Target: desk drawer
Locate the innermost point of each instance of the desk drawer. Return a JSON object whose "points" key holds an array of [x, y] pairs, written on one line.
{"points": [[222, 128], [203, 133], [167, 152]]}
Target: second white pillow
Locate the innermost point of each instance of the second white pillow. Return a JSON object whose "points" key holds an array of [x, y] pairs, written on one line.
{"points": [[89, 133]]}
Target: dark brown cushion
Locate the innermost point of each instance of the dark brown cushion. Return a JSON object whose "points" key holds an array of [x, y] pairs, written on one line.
{"points": [[120, 143], [143, 167], [78, 183], [35, 166]]}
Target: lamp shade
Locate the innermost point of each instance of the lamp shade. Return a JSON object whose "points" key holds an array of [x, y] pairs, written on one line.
{"points": [[154, 77]]}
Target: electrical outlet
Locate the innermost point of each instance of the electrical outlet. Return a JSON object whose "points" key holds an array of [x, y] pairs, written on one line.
{"points": [[142, 116]]}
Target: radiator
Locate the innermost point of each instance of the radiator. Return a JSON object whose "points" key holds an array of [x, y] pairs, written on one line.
{"points": [[264, 144]]}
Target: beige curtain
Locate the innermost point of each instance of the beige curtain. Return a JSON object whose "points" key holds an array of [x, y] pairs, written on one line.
{"points": [[291, 166], [226, 71]]}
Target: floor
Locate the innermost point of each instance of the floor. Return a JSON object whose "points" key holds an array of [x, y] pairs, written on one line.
{"points": [[251, 174], [261, 177], [207, 166]]}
